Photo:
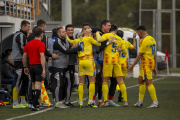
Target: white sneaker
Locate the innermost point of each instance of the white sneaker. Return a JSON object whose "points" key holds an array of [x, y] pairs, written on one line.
{"points": [[125, 104], [138, 104], [153, 106]]}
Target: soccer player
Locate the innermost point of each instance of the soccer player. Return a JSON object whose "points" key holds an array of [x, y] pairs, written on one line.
{"points": [[123, 57], [84, 27], [86, 65], [111, 63], [35, 50], [60, 68], [21, 80], [105, 27], [147, 54]]}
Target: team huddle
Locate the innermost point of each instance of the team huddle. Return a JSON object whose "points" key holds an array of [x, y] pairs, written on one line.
{"points": [[101, 55]]}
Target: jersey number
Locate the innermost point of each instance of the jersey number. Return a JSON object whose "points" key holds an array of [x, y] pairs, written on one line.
{"points": [[82, 46], [121, 55], [113, 47], [153, 48]]}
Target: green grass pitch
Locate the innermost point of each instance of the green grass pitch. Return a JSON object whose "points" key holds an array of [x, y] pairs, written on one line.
{"points": [[168, 94]]}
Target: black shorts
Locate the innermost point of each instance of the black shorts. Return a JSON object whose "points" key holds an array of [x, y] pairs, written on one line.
{"points": [[35, 72]]}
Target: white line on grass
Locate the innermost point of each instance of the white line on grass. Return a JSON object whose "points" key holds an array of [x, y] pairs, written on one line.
{"points": [[71, 102]]}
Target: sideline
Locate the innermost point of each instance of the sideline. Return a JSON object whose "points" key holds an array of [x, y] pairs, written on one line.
{"points": [[71, 102]]}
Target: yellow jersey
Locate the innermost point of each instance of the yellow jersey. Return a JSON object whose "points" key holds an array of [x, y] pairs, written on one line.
{"points": [[147, 46], [111, 56], [123, 57], [86, 45]]}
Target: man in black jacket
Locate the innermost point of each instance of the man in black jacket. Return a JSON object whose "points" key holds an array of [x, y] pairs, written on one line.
{"points": [[21, 80]]}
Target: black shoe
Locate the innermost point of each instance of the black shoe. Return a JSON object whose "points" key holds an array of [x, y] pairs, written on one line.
{"points": [[70, 105], [34, 109], [120, 98]]}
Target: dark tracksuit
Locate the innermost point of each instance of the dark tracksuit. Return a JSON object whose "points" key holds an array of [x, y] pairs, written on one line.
{"points": [[21, 80], [60, 69]]}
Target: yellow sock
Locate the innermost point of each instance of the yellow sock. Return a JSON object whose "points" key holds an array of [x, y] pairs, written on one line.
{"points": [[80, 91], [15, 94], [22, 97], [123, 91], [142, 90], [152, 92], [105, 90], [91, 90], [117, 87]]}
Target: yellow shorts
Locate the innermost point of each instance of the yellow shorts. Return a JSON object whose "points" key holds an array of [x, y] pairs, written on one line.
{"points": [[111, 70], [124, 68], [146, 74], [86, 67]]}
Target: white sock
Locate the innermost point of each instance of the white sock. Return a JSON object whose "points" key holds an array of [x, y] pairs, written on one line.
{"points": [[90, 101], [100, 100], [80, 102], [155, 102], [140, 101], [15, 102], [23, 101], [109, 101]]}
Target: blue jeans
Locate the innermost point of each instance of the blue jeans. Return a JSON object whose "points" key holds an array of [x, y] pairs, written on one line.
{"points": [[8, 81]]}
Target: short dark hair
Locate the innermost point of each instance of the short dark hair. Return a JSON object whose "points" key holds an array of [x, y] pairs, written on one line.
{"points": [[141, 27], [113, 27], [104, 22], [120, 33], [54, 32], [40, 22], [24, 23], [59, 28], [85, 24], [37, 32], [69, 25], [34, 28]]}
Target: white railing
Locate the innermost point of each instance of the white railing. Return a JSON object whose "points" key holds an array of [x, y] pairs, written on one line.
{"points": [[20, 8]]}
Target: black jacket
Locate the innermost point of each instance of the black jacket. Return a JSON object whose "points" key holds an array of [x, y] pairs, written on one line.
{"points": [[7, 70]]}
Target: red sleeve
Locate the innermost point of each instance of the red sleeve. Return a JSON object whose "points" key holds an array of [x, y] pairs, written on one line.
{"points": [[42, 48], [25, 49]]}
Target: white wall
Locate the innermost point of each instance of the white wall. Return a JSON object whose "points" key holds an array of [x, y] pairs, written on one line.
{"points": [[8, 20]]}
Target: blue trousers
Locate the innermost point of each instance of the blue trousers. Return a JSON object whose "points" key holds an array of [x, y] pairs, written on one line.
{"points": [[8, 81]]}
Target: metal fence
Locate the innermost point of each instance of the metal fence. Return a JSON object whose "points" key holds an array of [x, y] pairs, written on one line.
{"points": [[162, 20], [22, 9]]}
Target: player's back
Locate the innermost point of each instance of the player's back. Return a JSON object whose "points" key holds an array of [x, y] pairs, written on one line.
{"points": [[86, 46], [111, 56], [148, 45]]}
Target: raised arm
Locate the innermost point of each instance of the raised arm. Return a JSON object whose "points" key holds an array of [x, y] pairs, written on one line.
{"points": [[69, 40]]}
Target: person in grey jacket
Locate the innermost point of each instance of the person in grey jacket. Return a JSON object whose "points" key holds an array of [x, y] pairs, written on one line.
{"points": [[60, 68], [21, 80]]}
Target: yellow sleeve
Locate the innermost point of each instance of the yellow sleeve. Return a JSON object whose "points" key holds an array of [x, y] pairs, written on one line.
{"points": [[121, 44], [98, 37], [69, 40], [129, 45], [94, 42], [142, 48]]}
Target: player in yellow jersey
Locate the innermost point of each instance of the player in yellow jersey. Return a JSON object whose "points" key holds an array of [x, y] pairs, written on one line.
{"points": [[86, 65], [111, 63], [147, 54], [123, 58]]}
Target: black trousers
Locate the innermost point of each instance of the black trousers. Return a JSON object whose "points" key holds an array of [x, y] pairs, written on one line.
{"points": [[61, 84], [21, 80], [98, 83]]}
